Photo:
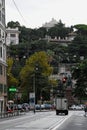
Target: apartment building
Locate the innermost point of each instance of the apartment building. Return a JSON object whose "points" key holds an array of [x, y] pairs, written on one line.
{"points": [[12, 36], [3, 65]]}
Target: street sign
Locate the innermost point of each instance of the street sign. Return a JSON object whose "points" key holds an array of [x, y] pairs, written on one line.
{"points": [[32, 95], [12, 89], [32, 99]]}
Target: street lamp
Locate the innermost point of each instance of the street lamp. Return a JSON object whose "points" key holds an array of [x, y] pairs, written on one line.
{"points": [[34, 89]]}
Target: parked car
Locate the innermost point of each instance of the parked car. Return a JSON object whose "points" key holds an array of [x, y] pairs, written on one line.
{"points": [[75, 107], [42, 106], [19, 106], [82, 106], [26, 106], [48, 106], [37, 106]]}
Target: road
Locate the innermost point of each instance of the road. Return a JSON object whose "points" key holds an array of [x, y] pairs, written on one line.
{"points": [[75, 120]]}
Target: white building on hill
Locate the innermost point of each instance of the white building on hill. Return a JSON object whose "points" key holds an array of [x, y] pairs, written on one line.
{"points": [[50, 24], [12, 36]]}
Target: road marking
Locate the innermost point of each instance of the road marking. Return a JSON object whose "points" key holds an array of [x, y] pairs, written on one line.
{"points": [[15, 129], [54, 127]]}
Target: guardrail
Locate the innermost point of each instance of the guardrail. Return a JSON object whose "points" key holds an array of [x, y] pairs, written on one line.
{"points": [[11, 114]]}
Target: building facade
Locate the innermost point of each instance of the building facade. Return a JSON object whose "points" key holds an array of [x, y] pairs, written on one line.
{"points": [[12, 36], [50, 24], [3, 65]]}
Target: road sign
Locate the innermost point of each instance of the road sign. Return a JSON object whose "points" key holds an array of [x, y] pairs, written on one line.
{"points": [[32, 95], [12, 89], [32, 99]]}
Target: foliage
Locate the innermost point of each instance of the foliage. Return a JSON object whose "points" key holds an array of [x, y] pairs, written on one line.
{"points": [[38, 45], [13, 24], [11, 80], [31, 43], [28, 34], [81, 29], [42, 32], [59, 30], [79, 73], [39, 58], [36, 67], [79, 44]]}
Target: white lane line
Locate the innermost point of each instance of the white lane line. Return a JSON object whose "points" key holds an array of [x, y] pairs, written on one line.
{"points": [[54, 127], [14, 129]]}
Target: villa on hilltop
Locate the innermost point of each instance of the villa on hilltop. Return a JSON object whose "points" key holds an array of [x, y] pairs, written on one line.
{"points": [[50, 24]]}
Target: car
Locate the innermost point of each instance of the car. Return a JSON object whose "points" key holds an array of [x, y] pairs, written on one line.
{"points": [[42, 106], [75, 107], [19, 106], [48, 106], [26, 106], [78, 107], [37, 107], [82, 106]]}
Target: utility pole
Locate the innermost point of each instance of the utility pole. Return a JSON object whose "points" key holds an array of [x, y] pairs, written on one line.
{"points": [[34, 91]]}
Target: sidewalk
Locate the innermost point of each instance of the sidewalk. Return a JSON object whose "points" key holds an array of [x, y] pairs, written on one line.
{"points": [[11, 114]]}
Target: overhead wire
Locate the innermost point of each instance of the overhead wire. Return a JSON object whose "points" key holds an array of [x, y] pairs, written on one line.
{"points": [[19, 11]]}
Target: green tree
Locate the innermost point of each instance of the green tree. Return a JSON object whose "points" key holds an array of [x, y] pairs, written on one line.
{"points": [[38, 45], [41, 32], [79, 73], [36, 67], [11, 80], [79, 44], [59, 30], [81, 29], [13, 24]]}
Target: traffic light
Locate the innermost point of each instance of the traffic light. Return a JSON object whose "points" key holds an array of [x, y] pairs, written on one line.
{"points": [[64, 79]]}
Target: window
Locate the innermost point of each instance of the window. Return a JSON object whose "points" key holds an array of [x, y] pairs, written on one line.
{"points": [[0, 15], [3, 2], [4, 53], [0, 33], [13, 42], [12, 35], [5, 89], [0, 69], [1, 88], [3, 35], [4, 71], [0, 5], [3, 18], [0, 52]]}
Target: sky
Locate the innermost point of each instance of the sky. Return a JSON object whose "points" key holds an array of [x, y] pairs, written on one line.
{"points": [[34, 13]]}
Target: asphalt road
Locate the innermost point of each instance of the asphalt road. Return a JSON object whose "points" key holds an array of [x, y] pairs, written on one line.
{"points": [[75, 120]]}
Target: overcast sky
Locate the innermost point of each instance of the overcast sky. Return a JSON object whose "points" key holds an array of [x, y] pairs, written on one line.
{"points": [[34, 13]]}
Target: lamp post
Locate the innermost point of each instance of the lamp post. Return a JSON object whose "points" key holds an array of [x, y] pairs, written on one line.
{"points": [[34, 87], [34, 91]]}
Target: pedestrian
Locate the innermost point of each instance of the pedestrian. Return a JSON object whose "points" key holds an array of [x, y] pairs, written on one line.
{"points": [[85, 109]]}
